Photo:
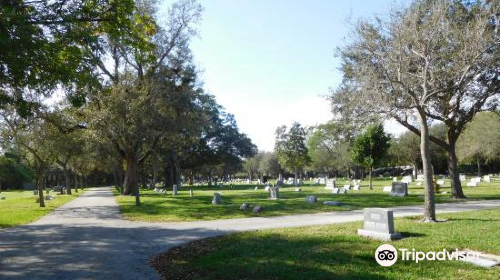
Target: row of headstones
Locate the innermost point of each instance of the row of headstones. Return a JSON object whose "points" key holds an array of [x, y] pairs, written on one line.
{"points": [[330, 184], [175, 191]]}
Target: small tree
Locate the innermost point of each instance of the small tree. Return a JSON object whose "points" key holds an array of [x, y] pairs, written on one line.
{"points": [[370, 148], [291, 148]]}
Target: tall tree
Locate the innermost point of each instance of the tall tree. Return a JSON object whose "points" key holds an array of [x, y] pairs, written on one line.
{"points": [[433, 60], [370, 148], [291, 149], [416, 51], [150, 68]]}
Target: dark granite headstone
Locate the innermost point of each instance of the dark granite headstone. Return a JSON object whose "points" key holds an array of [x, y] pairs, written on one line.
{"points": [[399, 189]]}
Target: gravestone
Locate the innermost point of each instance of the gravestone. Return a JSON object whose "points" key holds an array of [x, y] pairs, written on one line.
{"points": [[406, 179], [356, 187], [257, 209], [256, 188], [279, 183], [156, 189], [311, 199], [343, 190], [462, 177], [49, 197], [440, 182], [244, 206], [174, 189], [347, 186], [274, 192], [35, 192], [322, 181], [399, 189], [216, 199], [63, 190], [332, 203], [420, 177], [335, 190], [191, 194], [267, 188], [330, 184], [487, 178], [472, 184], [379, 224], [419, 183], [394, 179], [298, 189], [387, 189]]}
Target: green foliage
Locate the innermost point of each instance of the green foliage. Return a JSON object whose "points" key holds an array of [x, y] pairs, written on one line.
{"points": [[291, 148], [481, 138], [12, 172], [329, 148], [269, 164], [369, 148], [50, 43]]}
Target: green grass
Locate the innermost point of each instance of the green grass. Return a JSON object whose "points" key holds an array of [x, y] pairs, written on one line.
{"points": [[336, 252], [20, 207], [166, 208]]}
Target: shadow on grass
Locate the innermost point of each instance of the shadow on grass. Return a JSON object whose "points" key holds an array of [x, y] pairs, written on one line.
{"points": [[272, 256]]}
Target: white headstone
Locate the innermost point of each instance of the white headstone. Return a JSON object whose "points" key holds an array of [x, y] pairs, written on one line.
{"points": [[330, 184], [387, 189], [472, 184]]}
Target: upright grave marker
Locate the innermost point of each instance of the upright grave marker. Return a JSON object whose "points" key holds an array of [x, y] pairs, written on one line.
{"points": [[379, 224], [399, 189], [216, 199]]}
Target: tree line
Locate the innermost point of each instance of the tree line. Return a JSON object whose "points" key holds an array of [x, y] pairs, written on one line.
{"points": [[133, 105]]}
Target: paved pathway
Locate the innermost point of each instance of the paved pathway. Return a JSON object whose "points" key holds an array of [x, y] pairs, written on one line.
{"points": [[87, 238]]}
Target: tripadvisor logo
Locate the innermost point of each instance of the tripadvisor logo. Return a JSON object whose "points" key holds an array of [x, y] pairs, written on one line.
{"points": [[387, 255]]}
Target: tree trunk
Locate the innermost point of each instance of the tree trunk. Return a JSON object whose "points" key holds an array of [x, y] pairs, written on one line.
{"points": [[456, 185], [295, 177], [76, 182], [131, 186], [68, 181], [153, 181], [430, 203], [478, 166], [370, 176], [40, 178]]}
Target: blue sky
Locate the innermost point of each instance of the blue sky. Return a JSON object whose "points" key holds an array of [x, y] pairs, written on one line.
{"points": [[270, 62]]}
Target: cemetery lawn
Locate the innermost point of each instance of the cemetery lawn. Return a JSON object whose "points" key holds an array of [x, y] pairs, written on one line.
{"points": [[337, 252], [20, 207], [158, 207]]}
